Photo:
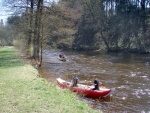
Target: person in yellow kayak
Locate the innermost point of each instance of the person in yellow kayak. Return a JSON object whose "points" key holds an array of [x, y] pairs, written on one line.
{"points": [[61, 56]]}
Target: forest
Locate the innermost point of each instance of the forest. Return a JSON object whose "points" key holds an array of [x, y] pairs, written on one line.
{"points": [[87, 25]]}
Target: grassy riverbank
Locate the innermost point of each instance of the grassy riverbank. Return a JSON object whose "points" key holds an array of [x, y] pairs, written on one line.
{"points": [[22, 91]]}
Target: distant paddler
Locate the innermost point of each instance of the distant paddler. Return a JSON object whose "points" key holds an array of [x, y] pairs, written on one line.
{"points": [[62, 57]]}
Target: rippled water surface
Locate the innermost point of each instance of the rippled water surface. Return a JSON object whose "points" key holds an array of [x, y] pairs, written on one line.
{"points": [[128, 73]]}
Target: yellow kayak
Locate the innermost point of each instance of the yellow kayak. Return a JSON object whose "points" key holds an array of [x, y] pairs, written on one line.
{"points": [[62, 59]]}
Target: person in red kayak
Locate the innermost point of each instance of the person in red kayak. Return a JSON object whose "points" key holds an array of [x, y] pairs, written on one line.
{"points": [[75, 81], [96, 83]]}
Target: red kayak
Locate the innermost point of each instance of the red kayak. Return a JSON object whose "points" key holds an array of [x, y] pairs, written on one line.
{"points": [[85, 90]]}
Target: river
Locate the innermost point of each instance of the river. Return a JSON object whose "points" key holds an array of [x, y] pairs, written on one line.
{"points": [[128, 73]]}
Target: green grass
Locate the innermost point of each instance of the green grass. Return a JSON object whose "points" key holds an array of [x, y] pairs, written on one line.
{"points": [[22, 91]]}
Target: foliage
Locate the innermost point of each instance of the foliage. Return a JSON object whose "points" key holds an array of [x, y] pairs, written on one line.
{"points": [[114, 25], [5, 39], [122, 25], [17, 31], [61, 23]]}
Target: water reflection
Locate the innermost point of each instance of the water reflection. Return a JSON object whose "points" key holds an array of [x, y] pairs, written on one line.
{"points": [[128, 73]]}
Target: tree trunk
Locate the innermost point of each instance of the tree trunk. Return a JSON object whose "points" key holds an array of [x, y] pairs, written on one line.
{"points": [[28, 28], [31, 30], [143, 22], [37, 33]]}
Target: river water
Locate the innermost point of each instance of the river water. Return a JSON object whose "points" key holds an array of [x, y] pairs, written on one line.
{"points": [[128, 73]]}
